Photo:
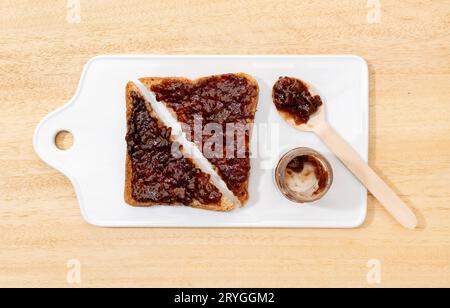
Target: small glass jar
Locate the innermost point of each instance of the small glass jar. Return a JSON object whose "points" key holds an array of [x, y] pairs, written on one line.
{"points": [[281, 175]]}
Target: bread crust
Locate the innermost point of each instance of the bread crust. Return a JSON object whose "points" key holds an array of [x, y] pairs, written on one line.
{"points": [[149, 82], [224, 205]]}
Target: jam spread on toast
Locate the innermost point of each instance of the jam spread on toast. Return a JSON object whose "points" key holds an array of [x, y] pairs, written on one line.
{"points": [[218, 100], [293, 98], [158, 175]]}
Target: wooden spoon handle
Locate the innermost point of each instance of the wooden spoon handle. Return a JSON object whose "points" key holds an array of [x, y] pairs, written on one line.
{"points": [[382, 192]]}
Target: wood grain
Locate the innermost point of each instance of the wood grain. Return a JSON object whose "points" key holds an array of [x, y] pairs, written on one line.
{"points": [[42, 56]]}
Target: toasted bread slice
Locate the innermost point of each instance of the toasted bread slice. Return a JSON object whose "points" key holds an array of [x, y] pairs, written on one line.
{"points": [[222, 99], [146, 186]]}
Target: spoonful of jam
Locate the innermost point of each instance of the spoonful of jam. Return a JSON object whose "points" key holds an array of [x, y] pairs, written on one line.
{"points": [[304, 110]]}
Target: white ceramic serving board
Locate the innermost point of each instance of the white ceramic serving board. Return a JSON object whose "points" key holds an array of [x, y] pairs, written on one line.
{"points": [[96, 162]]}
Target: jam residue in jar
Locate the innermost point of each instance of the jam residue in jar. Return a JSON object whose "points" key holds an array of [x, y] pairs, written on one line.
{"points": [[292, 97], [305, 175], [218, 100], [157, 175]]}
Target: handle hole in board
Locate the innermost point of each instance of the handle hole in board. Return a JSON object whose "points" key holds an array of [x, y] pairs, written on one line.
{"points": [[64, 140]]}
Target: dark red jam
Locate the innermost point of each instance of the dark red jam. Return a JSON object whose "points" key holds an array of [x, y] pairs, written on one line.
{"points": [[292, 97], [157, 175], [219, 100], [298, 164]]}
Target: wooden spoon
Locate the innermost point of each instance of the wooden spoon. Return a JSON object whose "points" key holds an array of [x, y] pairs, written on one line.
{"points": [[319, 125]]}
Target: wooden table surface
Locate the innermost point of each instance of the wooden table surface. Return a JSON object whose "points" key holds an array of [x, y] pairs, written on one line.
{"points": [[42, 53]]}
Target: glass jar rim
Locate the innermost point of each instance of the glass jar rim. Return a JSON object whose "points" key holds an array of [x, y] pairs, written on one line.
{"points": [[280, 173]]}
